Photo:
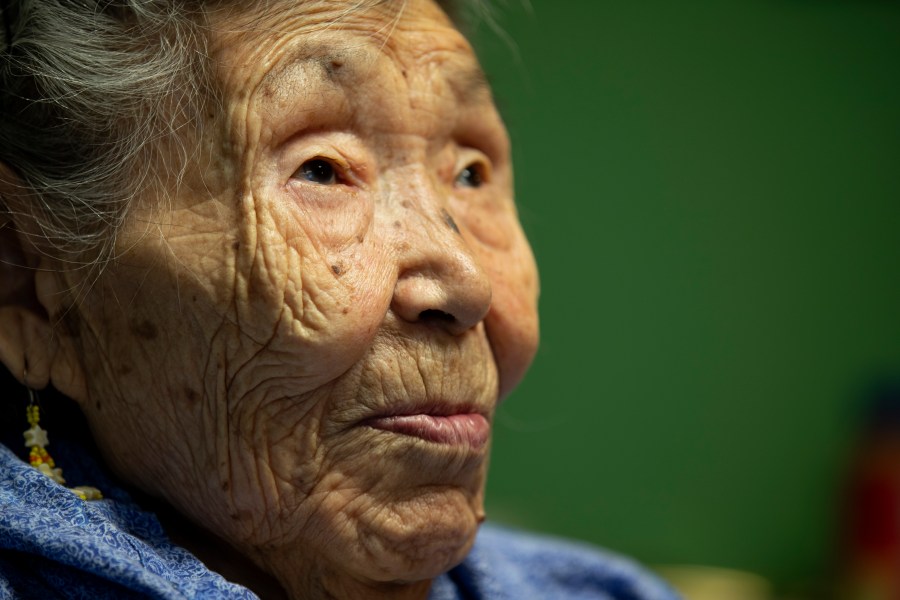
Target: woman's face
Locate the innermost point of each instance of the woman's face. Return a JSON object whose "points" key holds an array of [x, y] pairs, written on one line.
{"points": [[302, 349]]}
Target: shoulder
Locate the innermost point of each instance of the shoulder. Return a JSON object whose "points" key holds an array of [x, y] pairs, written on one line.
{"points": [[509, 564], [52, 542]]}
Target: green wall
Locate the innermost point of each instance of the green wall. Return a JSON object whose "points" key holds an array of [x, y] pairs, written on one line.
{"points": [[712, 189]]}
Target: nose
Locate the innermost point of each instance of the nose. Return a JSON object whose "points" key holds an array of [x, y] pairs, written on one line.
{"points": [[440, 282]]}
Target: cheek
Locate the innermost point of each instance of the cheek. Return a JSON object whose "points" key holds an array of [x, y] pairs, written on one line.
{"points": [[352, 292], [495, 235], [317, 266], [512, 322]]}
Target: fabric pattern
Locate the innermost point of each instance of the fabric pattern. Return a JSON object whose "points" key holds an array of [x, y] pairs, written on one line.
{"points": [[511, 565], [54, 545], [99, 549]]}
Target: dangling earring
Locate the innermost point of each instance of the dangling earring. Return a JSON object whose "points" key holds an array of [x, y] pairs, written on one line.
{"points": [[36, 439]]}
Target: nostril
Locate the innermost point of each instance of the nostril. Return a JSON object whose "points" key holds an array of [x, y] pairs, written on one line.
{"points": [[438, 317]]}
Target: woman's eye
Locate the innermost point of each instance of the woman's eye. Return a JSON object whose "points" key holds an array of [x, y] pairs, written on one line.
{"points": [[472, 176], [319, 171]]}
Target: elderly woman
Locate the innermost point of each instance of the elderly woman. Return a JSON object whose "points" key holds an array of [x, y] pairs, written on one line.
{"points": [[270, 252]]}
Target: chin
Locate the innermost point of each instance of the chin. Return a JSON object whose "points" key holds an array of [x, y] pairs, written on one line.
{"points": [[420, 538]]}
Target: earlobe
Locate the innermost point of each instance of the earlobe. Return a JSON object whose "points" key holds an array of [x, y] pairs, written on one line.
{"points": [[20, 314], [53, 294], [30, 342]]}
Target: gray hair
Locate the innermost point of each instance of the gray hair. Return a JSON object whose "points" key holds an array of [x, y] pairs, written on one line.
{"points": [[95, 97], [90, 91]]}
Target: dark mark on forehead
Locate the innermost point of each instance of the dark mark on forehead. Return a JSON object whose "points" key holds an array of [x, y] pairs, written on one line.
{"points": [[321, 63], [331, 66], [345, 68]]}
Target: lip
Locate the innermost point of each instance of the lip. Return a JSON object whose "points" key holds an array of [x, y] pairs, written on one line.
{"points": [[470, 429]]}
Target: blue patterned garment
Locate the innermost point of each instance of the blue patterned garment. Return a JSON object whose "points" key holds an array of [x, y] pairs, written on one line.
{"points": [[53, 545]]}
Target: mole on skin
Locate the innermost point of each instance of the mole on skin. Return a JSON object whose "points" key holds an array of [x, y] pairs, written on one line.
{"points": [[449, 220]]}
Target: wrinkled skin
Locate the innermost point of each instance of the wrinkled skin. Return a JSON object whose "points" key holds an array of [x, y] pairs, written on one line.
{"points": [[352, 248]]}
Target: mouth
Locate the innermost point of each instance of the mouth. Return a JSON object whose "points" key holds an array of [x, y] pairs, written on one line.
{"points": [[471, 429]]}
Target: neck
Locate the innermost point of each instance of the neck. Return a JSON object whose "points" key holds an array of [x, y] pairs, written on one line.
{"points": [[283, 580], [325, 585], [216, 554]]}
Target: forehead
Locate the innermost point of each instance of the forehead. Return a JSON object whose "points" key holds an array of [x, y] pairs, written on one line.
{"points": [[286, 46]]}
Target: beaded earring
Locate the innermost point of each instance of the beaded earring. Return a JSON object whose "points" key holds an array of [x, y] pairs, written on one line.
{"points": [[36, 439]]}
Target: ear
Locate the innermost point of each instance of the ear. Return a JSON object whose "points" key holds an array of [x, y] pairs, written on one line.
{"points": [[34, 344]]}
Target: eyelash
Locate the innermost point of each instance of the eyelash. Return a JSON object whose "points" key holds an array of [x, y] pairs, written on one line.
{"points": [[478, 172], [327, 172], [320, 166]]}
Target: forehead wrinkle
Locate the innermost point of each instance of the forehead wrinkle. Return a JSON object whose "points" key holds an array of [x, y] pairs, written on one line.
{"points": [[276, 32], [466, 81], [393, 39], [316, 20], [304, 69]]}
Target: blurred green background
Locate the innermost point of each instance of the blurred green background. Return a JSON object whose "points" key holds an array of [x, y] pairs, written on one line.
{"points": [[712, 190]]}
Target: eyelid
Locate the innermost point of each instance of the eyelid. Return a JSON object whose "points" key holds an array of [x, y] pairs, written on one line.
{"points": [[344, 171], [470, 157], [350, 156]]}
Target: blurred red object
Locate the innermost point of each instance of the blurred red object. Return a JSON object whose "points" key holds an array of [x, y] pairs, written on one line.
{"points": [[872, 541]]}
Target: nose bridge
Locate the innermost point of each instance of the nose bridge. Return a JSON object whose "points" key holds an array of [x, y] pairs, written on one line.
{"points": [[418, 186], [440, 278], [421, 207], [421, 211]]}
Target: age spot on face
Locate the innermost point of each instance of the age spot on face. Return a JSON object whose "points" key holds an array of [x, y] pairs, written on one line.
{"points": [[332, 66], [145, 329], [449, 220]]}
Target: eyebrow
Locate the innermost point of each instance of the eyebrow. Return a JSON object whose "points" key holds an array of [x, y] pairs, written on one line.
{"points": [[471, 82]]}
